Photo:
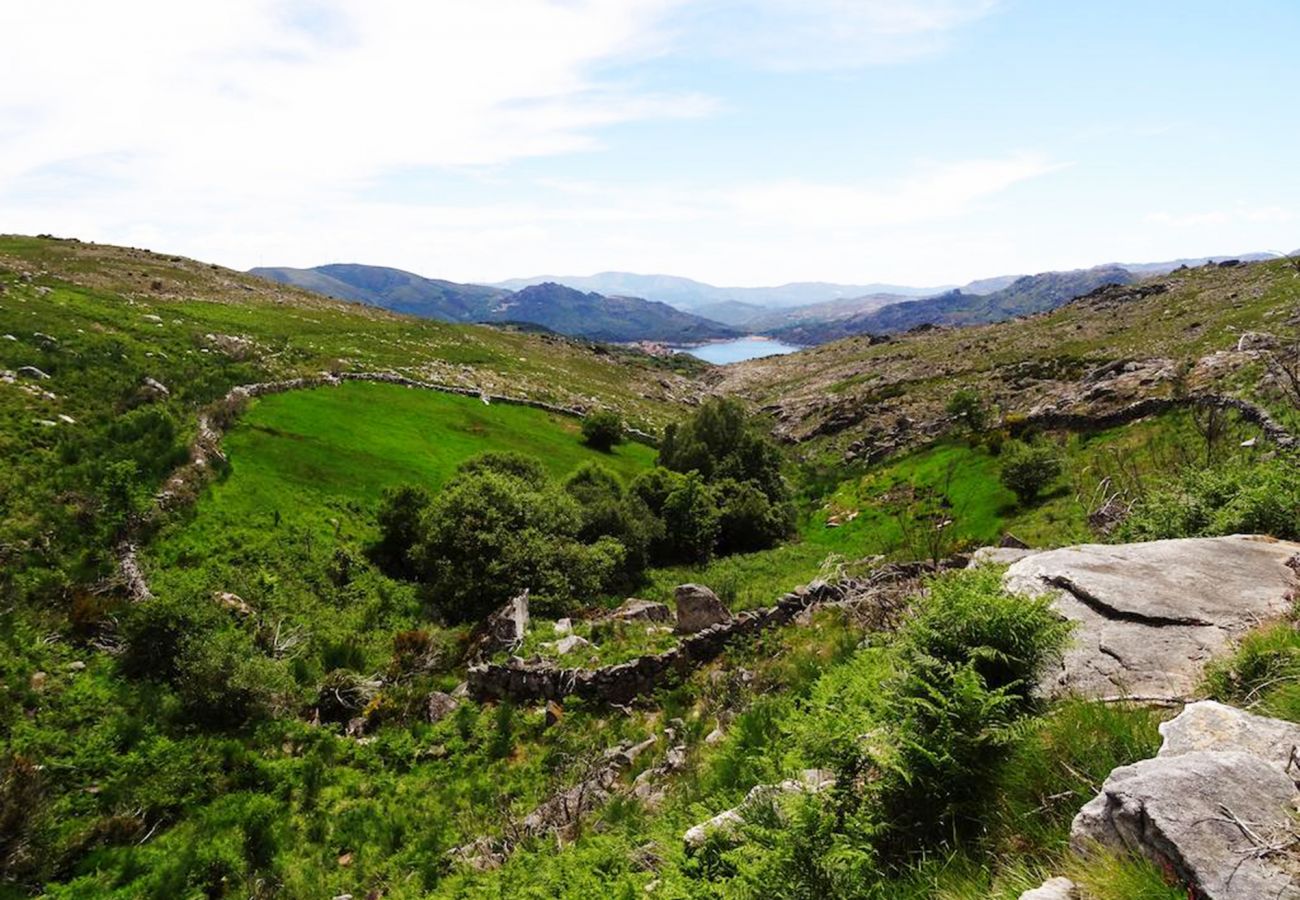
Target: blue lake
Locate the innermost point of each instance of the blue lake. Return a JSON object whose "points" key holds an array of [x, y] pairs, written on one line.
{"points": [[738, 350]]}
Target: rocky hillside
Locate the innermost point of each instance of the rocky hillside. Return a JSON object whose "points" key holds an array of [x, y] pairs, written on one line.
{"points": [[1189, 330], [1024, 296]]}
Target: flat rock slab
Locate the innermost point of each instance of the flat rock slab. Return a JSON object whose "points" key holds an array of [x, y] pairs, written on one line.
{"points": [[1053, 889], [1213, 726], [1149, 616], [1223, 822]]}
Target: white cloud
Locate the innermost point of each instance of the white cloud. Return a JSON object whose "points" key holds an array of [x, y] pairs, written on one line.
{"points": [[827, 34]]}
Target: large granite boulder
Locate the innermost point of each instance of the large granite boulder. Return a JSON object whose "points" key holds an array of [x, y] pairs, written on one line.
{"points": [[698, 608], [1216, 806], [1222, 821], [1149, 616]]}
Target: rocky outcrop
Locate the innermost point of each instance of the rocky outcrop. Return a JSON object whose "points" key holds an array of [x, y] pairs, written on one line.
{"points": [[699, 608], [1215, 807], [1149, 616], [502, 630]]}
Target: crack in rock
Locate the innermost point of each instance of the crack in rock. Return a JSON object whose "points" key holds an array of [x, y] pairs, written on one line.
{"points": [[1107, 610]]}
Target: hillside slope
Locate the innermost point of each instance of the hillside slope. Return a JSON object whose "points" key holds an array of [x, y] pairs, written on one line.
{"points": [[560, 309], [1025, 296], [1180, 332]]}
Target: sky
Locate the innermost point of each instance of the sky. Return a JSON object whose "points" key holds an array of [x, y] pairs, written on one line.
{"points": [[739, 142]]}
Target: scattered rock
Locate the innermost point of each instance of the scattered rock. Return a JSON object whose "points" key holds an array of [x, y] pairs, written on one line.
{"points": [[77, 666], [32, 372], [997, 556], [571, 643], [1254, 340], [234, 603], [1012, 542], [1149, 616], [698, 608], [439, 706], [554, 713], [1053, 889], [715, 736], [635, 610], [1208, 725], [504, 629], [727, 823], [153, 389], [564, 627]]}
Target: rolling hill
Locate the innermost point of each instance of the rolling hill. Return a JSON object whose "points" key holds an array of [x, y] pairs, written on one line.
{"points": [[555, 307], [1026, 295]]}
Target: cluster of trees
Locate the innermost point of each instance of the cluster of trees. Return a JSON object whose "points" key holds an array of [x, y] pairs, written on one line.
{"points": [[502, 524]]}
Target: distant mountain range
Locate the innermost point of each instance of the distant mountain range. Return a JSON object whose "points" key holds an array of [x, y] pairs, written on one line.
{"points": [[553, 306], [704, 299], [625, 306], [1026, 295]]}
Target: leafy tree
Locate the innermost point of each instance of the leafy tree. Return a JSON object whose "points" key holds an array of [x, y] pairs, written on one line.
{"points": [[691, 521], [1029, 468], [967, 407], [748, 520], [722, 441], [602, 429], [610, 511], [528, 469], [399, 514], [489, 535]]}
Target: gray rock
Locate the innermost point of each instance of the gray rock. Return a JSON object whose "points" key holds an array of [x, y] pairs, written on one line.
{"points": [[727, 824], [32, 372], [1213, 726], [571, 643], [1255, 340], [635, 610], [1209, 817], [564, 627], [698, 608], [154, 389], [1149, 616], [1053, 889], [439, 706]]}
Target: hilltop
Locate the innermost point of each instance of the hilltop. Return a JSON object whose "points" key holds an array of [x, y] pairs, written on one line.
{"points": [[560, 309]]}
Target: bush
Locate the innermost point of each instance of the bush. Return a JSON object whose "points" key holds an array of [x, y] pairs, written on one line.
{"points": [[399, 514], [488, 536], [1238, 497], [691, 521], [722, 441], [1027, 469], [602, 429], [223, 682], [748, 520], [610, 512], [967, 407]]}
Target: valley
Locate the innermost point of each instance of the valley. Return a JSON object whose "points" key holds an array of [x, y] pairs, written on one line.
{"points": [[292, 709]]}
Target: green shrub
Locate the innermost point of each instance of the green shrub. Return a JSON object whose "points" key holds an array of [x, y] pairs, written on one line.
{"points": [[722, 441], [223, 682], [1028, 469], [488, 536], [1238, 497], [748, 520], [399, 514], [1263, 672], [691, 521], [602, 429], [968, 409]]}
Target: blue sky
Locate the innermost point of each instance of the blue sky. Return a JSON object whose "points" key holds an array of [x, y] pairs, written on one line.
{"points": [[912, 141]]}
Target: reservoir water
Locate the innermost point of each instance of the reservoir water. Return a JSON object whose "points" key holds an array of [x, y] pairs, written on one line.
{"points": [[738, 350]]}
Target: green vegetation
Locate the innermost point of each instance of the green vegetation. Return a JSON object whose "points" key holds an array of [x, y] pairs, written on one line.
{"points": [[1027, 469], [602, 430]]}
